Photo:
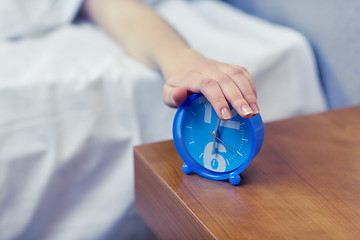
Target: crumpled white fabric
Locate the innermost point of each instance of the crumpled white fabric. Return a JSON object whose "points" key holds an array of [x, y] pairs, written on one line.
{"points": [[19, 18], [279, 59], [73, 105]]}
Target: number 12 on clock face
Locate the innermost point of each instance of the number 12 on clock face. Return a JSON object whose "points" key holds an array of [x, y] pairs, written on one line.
{"points": [[211, 147]]}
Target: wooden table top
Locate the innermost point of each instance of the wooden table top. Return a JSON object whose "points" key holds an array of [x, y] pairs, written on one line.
{"points": [[304, 184]]}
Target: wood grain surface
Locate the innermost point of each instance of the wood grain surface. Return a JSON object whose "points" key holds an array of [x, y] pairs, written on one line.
{"points": [[304, 184]]}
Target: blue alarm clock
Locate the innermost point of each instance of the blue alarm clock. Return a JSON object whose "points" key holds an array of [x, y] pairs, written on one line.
{"points": [[214, 148]]}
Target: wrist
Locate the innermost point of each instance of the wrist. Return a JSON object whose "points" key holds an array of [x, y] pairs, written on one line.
{"points": [[175, 61]]}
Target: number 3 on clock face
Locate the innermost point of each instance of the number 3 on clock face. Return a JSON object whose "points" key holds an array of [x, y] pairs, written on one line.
{"points": [[211, 147]]}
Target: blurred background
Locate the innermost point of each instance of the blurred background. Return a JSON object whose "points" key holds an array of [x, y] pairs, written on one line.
{"points": [[333, 29]]}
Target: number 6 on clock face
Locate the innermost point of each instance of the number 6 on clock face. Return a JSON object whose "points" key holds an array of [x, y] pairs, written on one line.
{"points": [[211, 147], [214, 162]]}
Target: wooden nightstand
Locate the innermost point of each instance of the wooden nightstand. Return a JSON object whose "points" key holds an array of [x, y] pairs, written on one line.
{"points": [[304, 184]]}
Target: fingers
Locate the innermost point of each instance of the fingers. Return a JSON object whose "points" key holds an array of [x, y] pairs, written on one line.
{"points": [[174, 96], [220, 83], [212, 91], [247, 75], [234, 95], [244, 97]]}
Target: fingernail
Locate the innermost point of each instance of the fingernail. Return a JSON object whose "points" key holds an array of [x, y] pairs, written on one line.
{"points": [[254, 108], [246, 109], [225, 113]]}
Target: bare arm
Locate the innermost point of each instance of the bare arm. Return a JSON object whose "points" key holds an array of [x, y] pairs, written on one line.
{"points": [[148, 38]]}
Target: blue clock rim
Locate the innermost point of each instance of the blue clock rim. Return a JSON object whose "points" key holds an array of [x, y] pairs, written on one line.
{"points": [[196, 167]]}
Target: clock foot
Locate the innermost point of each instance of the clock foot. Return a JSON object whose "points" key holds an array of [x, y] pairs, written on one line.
{"points": [[186, 169], [235, 179]]}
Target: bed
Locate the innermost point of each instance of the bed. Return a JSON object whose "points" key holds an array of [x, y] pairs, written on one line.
{"points": [[73, 105]]}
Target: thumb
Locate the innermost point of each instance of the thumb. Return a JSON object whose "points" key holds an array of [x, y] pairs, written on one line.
{"points": [[174, 96]]}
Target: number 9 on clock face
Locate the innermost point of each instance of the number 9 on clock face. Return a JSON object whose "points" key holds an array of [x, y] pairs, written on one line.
{"points": [[211, 147]]}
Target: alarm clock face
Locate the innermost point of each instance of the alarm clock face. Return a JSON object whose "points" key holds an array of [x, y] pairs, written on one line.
{"points": [[216, 145]]}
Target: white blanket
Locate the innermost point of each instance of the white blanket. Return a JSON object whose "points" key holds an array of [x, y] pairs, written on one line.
{"points": [[73, 105]]}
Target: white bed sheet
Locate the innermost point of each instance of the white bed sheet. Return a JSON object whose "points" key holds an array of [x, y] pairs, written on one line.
{"points": [[73, 105]]}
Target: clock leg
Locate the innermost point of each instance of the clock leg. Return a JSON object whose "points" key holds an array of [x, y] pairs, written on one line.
{"points": [[186, 169], [235, 179]]}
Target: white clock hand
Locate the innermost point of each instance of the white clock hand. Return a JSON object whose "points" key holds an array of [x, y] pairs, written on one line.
{"points": [[218, 138], [226, 145], [215, 134]]}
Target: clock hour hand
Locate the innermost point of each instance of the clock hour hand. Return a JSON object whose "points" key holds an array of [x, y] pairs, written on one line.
{"points": [[215, 134]]}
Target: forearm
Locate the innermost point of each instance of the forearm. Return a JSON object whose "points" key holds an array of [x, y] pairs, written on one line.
{"points": [[148, 38], [142, 33]]}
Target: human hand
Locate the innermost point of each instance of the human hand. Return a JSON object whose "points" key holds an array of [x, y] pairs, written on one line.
{"points": [[218, 82], [155, 43]]}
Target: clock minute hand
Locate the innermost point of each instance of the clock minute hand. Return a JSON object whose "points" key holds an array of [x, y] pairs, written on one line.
{"points": [[220, 140], [226, 145], [215, 134]]}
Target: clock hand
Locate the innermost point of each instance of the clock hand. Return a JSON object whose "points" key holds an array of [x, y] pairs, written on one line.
{"points": [[215, 134], [220, 140], [213, 146], [226, 144]]}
